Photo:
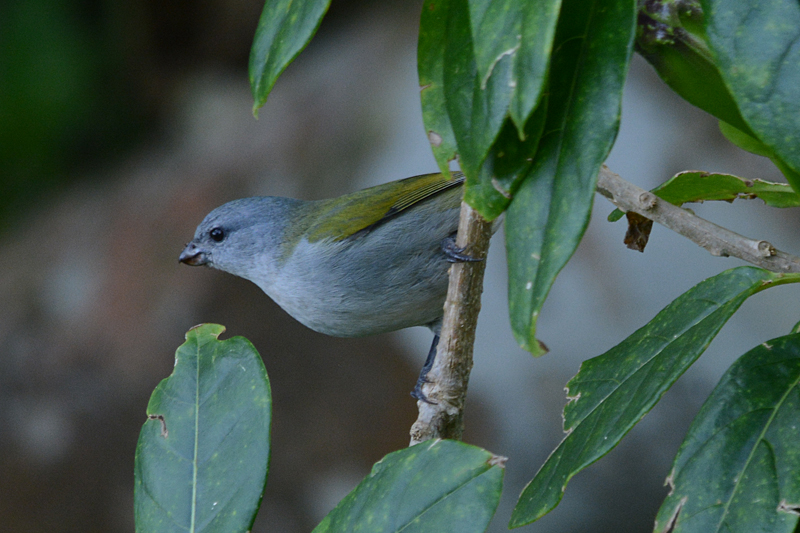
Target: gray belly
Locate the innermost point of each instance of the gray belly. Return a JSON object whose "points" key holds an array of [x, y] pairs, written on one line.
{"points": [[384, 281], [376, 299]]}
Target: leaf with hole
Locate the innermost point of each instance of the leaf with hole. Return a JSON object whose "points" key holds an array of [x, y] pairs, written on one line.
{"points": [[202, 456], [697, 186]]}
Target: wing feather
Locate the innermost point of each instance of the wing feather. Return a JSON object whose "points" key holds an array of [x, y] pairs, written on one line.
{"points": [[376, 205]]}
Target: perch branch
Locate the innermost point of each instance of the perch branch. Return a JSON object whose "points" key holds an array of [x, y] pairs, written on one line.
{"points": [[716, 239], [449, 376]]}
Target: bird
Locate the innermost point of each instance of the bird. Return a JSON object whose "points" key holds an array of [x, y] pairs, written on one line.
{"points": [[361, 264]]}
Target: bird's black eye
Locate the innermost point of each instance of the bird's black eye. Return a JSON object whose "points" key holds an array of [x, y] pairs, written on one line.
{"points": [[216, 234]]}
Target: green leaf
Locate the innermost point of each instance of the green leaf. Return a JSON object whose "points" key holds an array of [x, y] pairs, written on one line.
{"points": [[697, 186], [522, 30], [441, 485], [746, 142], [613, 391], [670, 37], [756, 51], [464, 111], [791, 176], [506, 165], [284, 29], [476, 109], [430, 67], [202, 456], [550, 211], [737, 469]]}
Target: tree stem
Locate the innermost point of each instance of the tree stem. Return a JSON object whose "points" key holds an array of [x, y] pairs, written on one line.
{"points": [[717, 240], [449, 376]]}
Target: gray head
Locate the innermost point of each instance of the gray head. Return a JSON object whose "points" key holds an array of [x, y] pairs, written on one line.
{"points": [[238, 236]]}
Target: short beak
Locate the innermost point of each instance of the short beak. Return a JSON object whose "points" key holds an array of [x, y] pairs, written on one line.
{"points": [[192, 255]]}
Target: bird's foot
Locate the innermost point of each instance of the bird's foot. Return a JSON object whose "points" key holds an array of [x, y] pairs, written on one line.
{"points": [[454, 253], [417, 393]]}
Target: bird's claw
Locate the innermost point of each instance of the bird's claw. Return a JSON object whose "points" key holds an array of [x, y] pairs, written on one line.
{"points": [[417, 394], [455, 254]]}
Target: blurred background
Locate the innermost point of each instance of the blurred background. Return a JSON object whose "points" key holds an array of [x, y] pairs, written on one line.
{"points": [[123, 123]]}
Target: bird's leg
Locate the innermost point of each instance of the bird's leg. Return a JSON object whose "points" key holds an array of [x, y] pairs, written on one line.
{"points": [[454, 253], [423, 374]]}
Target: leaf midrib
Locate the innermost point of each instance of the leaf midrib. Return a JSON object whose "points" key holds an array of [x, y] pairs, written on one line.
{"points": [[767, 425], [196, 439]]}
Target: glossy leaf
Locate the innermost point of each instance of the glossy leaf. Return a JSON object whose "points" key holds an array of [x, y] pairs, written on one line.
{"points": [[523, 31], [284, 29], [506, 165], [442, 485], [430, 67], [550, 211], [670, 37], [696, 186], [737, 469], [202, 456], [476, 109], [613, 391], [464, 112], [757, 50]]}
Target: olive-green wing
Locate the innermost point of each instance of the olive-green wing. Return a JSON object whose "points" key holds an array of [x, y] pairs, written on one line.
{"points": [[343, 217]]}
